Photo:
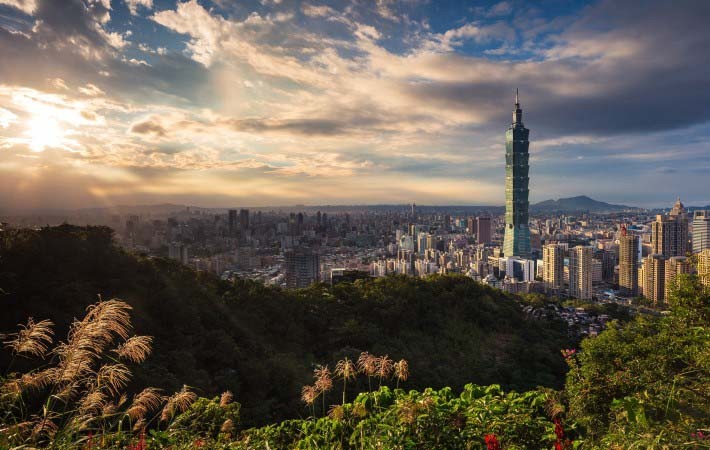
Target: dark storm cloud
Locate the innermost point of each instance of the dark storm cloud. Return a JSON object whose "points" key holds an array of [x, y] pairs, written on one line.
{"points": [[625, 67]]}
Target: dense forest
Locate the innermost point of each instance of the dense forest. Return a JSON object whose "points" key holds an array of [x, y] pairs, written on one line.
{"points": [[262, 343]]}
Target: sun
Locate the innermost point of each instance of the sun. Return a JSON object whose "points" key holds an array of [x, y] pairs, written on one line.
{"points": [[44, 131]]}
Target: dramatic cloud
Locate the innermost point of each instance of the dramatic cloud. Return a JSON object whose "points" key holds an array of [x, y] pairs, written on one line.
{"points": [[273, 102]]}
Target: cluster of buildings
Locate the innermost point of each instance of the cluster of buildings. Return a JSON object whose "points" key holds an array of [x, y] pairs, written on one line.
{"points": [[585, 255]]}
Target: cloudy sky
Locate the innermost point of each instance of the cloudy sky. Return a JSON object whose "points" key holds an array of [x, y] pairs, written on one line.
{"points": [[278, 102]]}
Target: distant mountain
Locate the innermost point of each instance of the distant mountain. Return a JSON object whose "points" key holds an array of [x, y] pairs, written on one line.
{"points": [[580, 203]]}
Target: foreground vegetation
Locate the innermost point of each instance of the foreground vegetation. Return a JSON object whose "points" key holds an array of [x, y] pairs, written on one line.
{"points": [[263, 342], [643, 384]]}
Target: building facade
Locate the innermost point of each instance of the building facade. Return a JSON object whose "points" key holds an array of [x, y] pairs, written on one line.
{"points": [[483, 230], [517, 234], [302, 267], [654, 287], [669, 233], [701, 231], [553, 268], [704, 267], [628, 264], [675, 265], [580, 272]]}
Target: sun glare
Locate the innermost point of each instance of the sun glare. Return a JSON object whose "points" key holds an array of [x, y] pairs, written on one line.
{"points": [[44, 132]]}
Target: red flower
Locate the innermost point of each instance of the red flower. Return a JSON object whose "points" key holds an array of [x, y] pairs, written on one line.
{"points": [[561, 443], [492, 442], [140, 445]]}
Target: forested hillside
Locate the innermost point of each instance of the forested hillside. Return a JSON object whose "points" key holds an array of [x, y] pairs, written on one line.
{"points": [[262, 343]]}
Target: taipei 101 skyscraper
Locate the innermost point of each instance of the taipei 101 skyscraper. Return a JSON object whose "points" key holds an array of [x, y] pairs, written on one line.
{"points": [[517, 233]]}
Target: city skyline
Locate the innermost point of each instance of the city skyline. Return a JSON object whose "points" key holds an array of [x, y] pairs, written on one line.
{"points": [[276, 103]]}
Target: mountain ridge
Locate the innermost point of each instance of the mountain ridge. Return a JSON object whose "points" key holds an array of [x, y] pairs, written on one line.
{"points": [[578, 203]]}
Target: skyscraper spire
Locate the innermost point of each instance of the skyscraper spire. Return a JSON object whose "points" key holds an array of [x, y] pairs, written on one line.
{"points": [[517, 112]]}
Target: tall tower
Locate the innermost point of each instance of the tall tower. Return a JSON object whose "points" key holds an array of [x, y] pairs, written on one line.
{"points": [[517, 233]]}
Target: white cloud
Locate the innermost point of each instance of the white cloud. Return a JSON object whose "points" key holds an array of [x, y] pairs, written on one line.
{"points": [[26, 6], [6, 118], [133, 5]]}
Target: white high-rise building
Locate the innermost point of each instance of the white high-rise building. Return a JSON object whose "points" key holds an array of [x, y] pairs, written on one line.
{"points": [[701, 231], [580, 272], [553, 267]]}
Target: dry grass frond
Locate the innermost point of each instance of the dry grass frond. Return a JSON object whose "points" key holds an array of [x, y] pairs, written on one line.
{"points": [[367, 364], [346, 369], [113, 314], [44, 428], [80, 422], [384, 367], [324, 379], [93, 402], [309, 394], [183, 399], [227, 427], [401, 370], [136, 349], [69, 391], [19, 431], [114, 377], [110, 409], [226, 398], [178, 402], [147, 401], [74, 363], [336, 412], [89, 338], [34, 381], [33, 339], [139, 425]]}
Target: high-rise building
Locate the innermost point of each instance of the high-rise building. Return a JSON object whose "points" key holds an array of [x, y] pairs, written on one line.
{"points": [[701, 231], [675, 265], [232, 221], [597, 276], [517, 234], [178, 252], [609, 261], [669, 233], [628, 264], [243, 219], [302, 267], [553, 267], [471, 225], [654, 287], [580, 272], [483, 230], [704, 267]]}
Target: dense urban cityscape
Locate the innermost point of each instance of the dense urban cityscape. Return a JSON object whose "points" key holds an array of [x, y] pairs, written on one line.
{"points": [[590, 251]]}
